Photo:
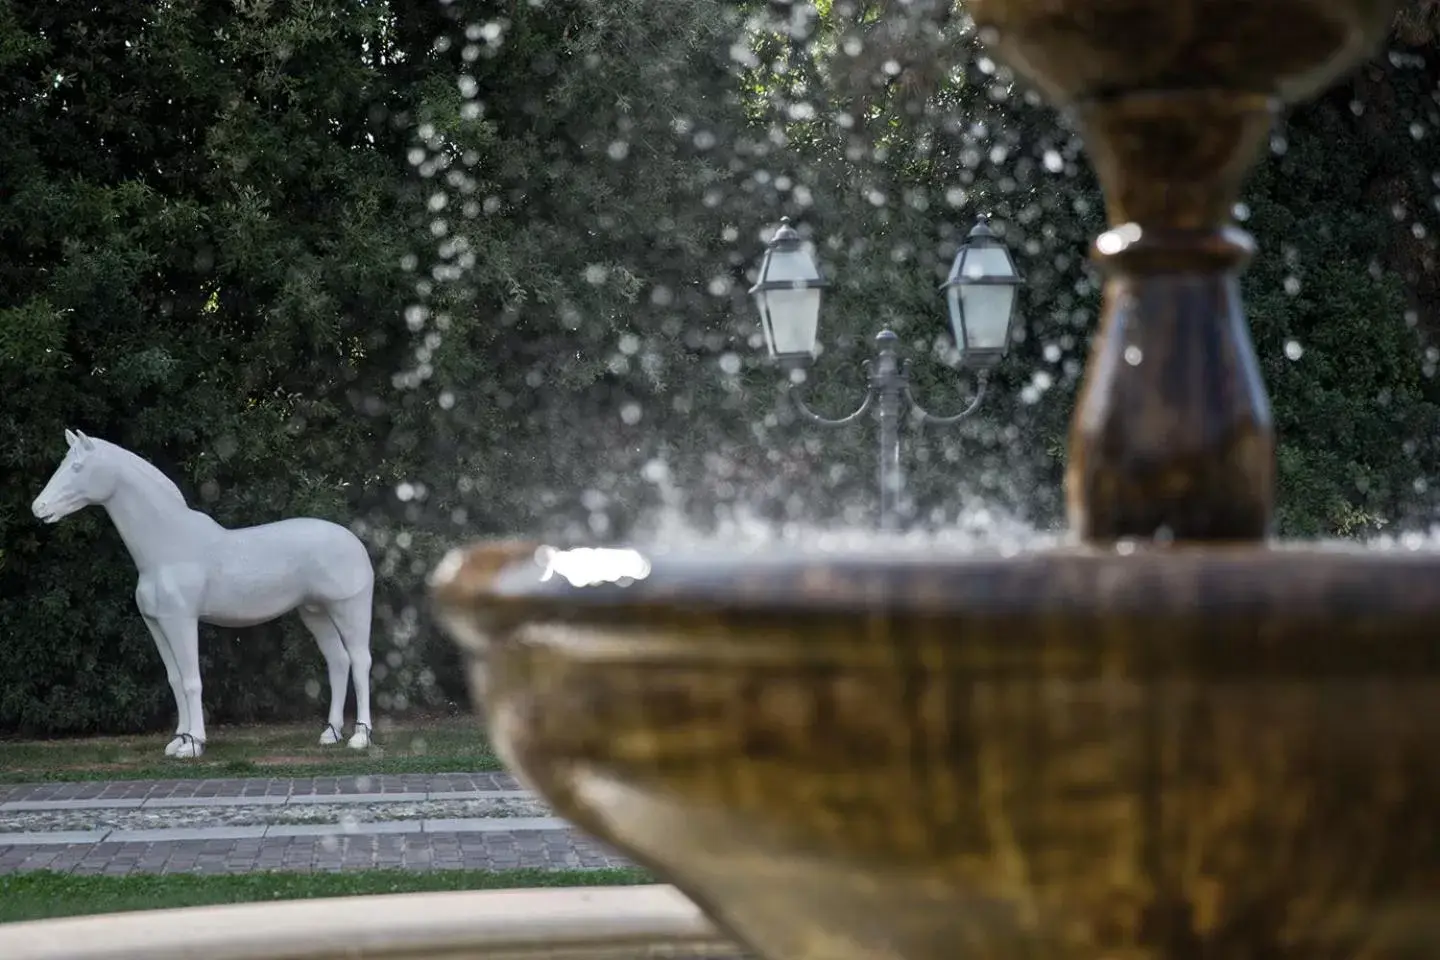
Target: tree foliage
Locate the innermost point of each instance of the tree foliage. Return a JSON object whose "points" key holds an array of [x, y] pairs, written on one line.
{"points": [[446, 269], [202, 264]]}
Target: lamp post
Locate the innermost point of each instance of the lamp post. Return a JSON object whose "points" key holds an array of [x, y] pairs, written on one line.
{"points": [[980, 293]]}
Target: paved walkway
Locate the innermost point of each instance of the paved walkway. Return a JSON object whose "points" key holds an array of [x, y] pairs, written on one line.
{"points": [[416, 822]]}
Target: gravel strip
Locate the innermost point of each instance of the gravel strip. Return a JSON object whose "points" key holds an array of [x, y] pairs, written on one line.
{"points": [[265, 815]]}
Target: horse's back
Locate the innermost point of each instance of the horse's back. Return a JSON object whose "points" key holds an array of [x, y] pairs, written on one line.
{"points": [[321, 561]]}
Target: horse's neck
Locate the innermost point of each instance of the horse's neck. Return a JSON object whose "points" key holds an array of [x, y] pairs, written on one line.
{"points": [[155, 526]]}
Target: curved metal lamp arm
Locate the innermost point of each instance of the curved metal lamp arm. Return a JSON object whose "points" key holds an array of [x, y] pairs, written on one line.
{"points": [[813, 417], [927, 417]]}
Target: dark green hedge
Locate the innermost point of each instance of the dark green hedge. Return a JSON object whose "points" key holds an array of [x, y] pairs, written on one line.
{"points": [[303, 257]]}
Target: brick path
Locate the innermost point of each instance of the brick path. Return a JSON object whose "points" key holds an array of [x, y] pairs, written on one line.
{"points": [[483, 843], [337, 787]]}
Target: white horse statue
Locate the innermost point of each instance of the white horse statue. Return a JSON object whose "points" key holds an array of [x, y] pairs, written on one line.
{"points": [[192, 569]]}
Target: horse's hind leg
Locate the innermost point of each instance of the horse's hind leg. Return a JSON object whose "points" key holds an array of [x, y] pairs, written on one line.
{"points": [[352, 617], [337, 664]]}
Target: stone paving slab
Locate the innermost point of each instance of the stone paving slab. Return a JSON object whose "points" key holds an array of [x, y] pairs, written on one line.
{"points": [[277, 800], [250, 832], [427, 786], [492, 850], [55, 836]]}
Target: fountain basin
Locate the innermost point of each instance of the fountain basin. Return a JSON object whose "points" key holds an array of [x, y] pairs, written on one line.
{"points": [[1087, 752], [577, 923]]}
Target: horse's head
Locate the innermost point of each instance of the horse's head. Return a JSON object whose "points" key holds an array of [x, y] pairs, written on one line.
{"points": [[77, 483]]}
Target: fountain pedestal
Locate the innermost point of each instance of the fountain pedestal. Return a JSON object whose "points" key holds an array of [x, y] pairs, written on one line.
{"points": [[1170, 741], [1171, 435]]}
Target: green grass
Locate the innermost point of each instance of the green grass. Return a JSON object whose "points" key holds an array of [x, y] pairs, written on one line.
{"points": [[43, 894], [425, 745]]}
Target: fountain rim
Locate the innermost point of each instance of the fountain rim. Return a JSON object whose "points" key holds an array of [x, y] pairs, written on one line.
{"points": [[502, 578]]}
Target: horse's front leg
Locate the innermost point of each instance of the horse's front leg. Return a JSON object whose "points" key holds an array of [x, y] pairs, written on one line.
{"points": [[183, 634], [172, 674]]}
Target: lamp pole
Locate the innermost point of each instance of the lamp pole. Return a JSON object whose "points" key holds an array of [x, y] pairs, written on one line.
{"points": [[890, 394], [980, 292]]}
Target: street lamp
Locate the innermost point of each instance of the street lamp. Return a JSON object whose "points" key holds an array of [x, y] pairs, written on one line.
{"points": [[980, 293], [788, 295]]}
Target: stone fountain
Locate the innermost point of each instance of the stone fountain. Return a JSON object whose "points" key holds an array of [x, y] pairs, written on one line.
{"points": [[1173, 738]]}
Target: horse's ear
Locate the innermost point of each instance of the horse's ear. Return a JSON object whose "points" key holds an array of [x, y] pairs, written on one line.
{"points": [[70, 438], [86, 443]]}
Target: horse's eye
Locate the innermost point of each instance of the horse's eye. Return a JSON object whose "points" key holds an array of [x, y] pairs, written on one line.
{"points": [[76, 466]]}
